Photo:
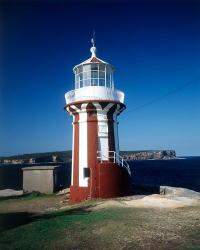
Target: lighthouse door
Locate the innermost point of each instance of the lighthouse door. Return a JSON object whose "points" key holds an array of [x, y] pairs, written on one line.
{"points": [[103, 140]]}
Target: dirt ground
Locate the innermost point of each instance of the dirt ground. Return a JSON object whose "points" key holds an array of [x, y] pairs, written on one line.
{"points": [[41, 204], [136, 222]]}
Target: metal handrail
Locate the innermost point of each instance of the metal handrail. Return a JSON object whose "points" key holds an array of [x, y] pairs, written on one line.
{"points": [[116, 159]]}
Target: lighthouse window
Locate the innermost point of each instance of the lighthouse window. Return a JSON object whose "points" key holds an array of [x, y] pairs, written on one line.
{"points": [[94, 82], [79, 69], [108, 70], [94, 74], [112, 81], [94, 67], [86, 75], [86, 68], [101, 74], [101, 67], [76, 81], [108, 80], [81, 76], [86, 82], [101, 82]]}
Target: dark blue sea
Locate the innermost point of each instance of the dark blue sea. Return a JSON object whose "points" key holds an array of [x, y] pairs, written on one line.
{"points": [[183, 172]]}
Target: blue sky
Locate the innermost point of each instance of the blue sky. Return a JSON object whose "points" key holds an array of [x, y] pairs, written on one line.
{"points": [[154, 46]]}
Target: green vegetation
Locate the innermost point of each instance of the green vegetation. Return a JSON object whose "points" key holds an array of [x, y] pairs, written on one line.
{"points": [[82, 226], [29, 196]]}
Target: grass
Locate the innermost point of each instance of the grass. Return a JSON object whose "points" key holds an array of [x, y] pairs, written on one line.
{"points": [[74, 228], [78, 227], [28, 196]]}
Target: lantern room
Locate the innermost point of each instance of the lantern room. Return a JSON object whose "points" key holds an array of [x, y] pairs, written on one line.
{"points": [[94, 81], [93, 72]]}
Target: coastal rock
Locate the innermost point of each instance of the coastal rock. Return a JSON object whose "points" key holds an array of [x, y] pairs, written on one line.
{"points": [[179, 192], [150, 155], [10, 192]]}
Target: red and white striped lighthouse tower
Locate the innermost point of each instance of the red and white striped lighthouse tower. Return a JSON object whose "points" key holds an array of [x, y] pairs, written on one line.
{"points": [[97, 168]]}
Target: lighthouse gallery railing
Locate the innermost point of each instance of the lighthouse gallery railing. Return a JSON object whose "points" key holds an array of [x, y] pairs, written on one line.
{"points": [[116, 159], [94, 93]]}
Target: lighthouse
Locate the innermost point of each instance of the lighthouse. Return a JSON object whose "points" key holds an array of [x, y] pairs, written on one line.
{"points": [[98, 170]]}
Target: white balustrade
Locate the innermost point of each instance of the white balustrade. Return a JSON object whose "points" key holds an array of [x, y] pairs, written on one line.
{"points": [[113, 155], [94, 93]]}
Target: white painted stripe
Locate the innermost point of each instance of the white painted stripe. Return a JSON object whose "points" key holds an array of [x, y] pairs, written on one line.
{"points": [[116, 132], [103, 146], [83, 108], [74, 107], [68, 110], [83, 146], [108, 107], [73, 150]]}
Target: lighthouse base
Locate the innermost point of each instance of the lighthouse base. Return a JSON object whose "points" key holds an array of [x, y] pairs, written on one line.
{"points": [[107, 180], [78, 194]]}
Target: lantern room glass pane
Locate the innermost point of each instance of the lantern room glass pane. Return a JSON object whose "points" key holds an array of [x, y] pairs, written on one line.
{"points": [[81, 76], [79, 69], [76, 82], [108, 70], [102, 67], [94, 82], [101, 82], [86, 68], [112, 80], [94, 67], [94, 74], [86, 82], [86, 75], [101, 74], [108, 80]]}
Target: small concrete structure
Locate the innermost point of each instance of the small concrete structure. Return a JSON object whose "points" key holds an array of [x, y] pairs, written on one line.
{"points": [[40, 178]]}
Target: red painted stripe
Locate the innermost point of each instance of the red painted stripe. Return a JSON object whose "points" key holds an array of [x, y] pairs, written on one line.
{"points": [[111, 134], [92, 126], [76, 151]]}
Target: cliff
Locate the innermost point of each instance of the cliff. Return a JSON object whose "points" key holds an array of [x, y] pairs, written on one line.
{"points": [[150, 154], [64, 156]]}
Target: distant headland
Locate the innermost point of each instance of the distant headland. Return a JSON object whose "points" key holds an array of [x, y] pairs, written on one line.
{"points": [[149, 155], [65, 156]]}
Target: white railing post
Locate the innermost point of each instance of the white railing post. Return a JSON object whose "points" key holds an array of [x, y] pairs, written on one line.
{"points": [[123, 163]]}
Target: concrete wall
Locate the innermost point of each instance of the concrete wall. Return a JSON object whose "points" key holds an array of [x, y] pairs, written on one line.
{"points": [[41, 179]]}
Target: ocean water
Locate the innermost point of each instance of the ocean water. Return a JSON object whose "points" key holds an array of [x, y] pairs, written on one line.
{"points": [[183, 172]]}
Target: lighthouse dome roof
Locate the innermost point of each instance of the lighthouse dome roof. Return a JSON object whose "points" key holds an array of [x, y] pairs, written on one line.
{"points": [[93, 59]]}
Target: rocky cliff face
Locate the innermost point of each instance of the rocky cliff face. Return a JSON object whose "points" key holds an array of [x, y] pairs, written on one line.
{"points": [[145, 155]]}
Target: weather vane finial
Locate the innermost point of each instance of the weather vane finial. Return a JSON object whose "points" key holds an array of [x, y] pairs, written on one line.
{"points": [[93, 49], [93, 38]]}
